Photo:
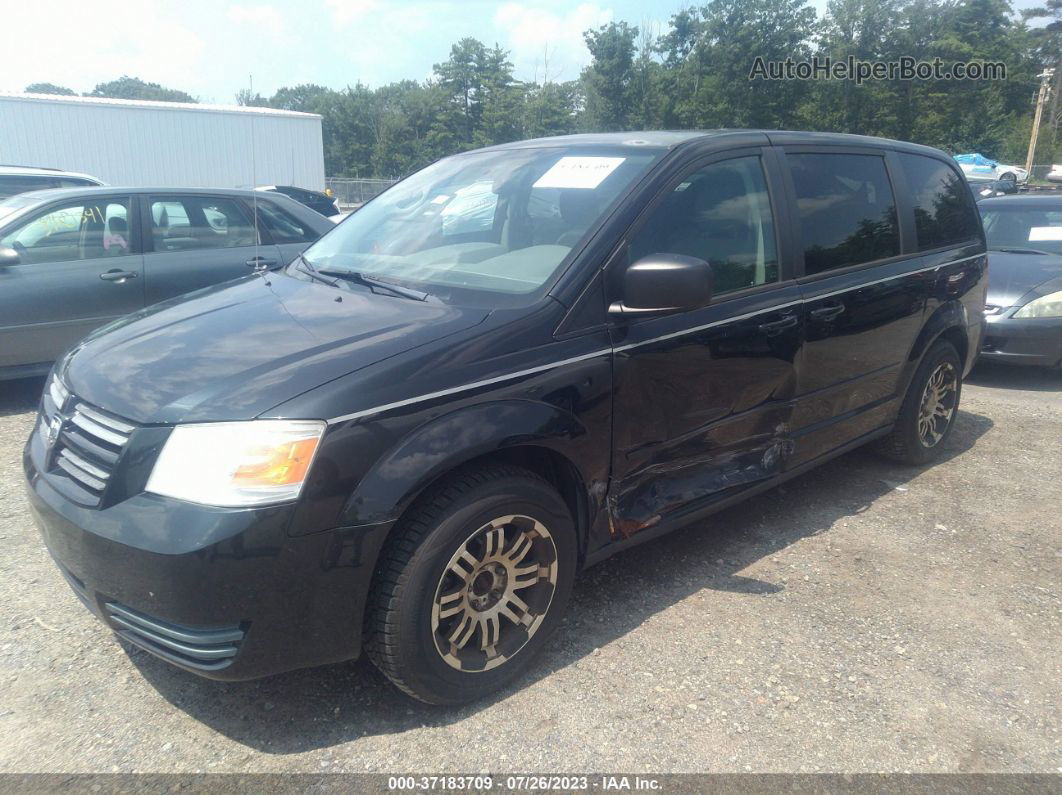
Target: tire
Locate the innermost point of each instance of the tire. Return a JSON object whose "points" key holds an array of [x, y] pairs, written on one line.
{"points": [[917, 438], [472, 583]]}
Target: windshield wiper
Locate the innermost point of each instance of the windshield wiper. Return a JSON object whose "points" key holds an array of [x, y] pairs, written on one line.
{"points": [[304, 266], [1019, 250], [372, 282]]}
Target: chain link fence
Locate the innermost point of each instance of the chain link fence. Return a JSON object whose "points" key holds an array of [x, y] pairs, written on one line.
{"points": [[354, 192]]}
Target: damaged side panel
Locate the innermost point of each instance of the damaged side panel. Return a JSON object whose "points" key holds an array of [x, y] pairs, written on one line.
{"points": [[700, 415]]}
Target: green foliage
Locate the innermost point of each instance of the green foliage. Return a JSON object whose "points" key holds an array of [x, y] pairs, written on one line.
{"points": [[126, 87], [49, 88], [695, 74]]}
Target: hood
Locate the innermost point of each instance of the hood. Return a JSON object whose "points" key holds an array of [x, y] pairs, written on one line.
{"points": [[1011, 276], [232, 351]]}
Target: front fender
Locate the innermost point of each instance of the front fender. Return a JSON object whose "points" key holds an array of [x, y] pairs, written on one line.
{"points": [[442, 444]]}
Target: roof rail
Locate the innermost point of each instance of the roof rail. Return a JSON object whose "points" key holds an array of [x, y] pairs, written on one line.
{"points": [[38, 168]]}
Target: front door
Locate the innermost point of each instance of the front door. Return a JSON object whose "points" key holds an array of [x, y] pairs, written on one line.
{"points": [[80, 268], [703, 398]]}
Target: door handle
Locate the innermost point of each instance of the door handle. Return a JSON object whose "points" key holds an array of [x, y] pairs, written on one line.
{"points": [[117, 276], [260, 262], [826, 312], [776, 327]]}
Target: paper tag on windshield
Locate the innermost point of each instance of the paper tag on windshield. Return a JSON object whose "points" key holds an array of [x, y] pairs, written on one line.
{"points": [[1045, 233], [579, 172]]}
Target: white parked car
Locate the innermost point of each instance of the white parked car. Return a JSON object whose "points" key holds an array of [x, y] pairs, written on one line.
{"points": [[1055, 174], [979, 168]]}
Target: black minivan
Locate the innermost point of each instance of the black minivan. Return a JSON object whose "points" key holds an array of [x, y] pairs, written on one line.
{"points": [[507, 367]]}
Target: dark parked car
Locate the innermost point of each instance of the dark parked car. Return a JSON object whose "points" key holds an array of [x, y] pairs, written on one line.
{"points": [[993, 188], [73, 260], [21, 179], [411, 440], [1024, 302], [314, 199]]}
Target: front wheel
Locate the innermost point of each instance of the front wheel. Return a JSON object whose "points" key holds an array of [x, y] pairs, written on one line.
{"points": [[473, 582], [929, 408]]}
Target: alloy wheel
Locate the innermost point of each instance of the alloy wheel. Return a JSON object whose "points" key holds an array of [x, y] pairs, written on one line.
{"points": [[494, 593], [938, 404]]}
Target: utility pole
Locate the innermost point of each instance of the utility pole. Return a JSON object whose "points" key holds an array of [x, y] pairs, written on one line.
{"points": [[1045, 88]]}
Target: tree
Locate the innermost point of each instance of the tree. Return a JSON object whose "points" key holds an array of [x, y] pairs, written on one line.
{"points": [[49, 88], [304, 97], [607, 80], [126, 87], [245, 98], [1047, 42]]}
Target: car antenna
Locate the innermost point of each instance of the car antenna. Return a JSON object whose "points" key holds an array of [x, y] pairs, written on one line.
{"points": [[258, 266]]}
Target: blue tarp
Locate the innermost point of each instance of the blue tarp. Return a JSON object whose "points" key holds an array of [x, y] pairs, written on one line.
{"points": [[978, 161]]}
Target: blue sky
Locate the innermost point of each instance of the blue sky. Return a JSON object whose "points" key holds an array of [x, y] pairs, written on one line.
{"points": [[209, 48]]}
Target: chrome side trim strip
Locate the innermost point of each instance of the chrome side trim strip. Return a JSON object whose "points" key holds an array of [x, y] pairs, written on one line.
{"points": [[618, 349], [465, 387]]}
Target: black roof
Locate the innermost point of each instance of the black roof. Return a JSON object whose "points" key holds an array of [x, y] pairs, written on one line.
{"points": [[668, 139]]}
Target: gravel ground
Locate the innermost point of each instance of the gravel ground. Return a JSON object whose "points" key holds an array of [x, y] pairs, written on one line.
{"points": [[864, 617]]}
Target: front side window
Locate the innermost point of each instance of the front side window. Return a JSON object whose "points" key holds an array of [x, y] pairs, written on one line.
{"points": [[191, 223], [943, 208], [494, 223], [74, 231], [846, 210], [720, 214]]}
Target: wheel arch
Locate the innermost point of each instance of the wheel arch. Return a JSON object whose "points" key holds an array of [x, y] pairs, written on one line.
{"points": [[540, 437], [949, 321]]}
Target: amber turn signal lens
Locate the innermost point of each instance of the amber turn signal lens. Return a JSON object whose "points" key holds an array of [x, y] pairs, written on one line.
{"points": [[277, 466]]}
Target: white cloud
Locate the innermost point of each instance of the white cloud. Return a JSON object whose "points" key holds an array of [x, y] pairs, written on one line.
{"points": [[88, 43], [266, 19], [346, 11], [536, 34]]}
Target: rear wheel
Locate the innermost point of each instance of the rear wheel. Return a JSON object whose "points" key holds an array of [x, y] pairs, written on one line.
{"points": [[929, 408], [472, 584]]}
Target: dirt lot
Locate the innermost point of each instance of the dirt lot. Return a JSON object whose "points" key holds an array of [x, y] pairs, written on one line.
{"points": [[865, 617]]}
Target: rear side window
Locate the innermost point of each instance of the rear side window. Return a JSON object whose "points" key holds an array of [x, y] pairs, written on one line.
{"points": [[191, 223], [944, 210], [284, 227], [846, 209]]}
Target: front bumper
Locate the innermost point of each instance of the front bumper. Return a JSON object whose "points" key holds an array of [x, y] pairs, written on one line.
{"points": [[1032, 341], [225, 593]]}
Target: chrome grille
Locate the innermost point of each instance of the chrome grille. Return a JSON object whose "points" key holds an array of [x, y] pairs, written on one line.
{"points": [[83, 442]]}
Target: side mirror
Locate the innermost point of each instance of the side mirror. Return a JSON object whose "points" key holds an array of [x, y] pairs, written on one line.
{"points": [[664, 283], [8, 256]]}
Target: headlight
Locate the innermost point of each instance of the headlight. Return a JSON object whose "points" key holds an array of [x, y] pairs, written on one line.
{"points": [[237, 464], [1044, 306]]}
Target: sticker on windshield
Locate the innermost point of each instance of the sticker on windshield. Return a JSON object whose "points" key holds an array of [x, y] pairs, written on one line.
{"points": [[1045, 233], [579, 172]]}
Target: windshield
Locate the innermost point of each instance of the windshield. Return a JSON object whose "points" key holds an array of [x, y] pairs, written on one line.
{"points": [[1033, 227], [9, 206], [502, 222]]}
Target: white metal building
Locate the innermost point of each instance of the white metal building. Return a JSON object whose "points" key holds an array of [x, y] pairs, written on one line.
{"points": [[172, 144]]}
